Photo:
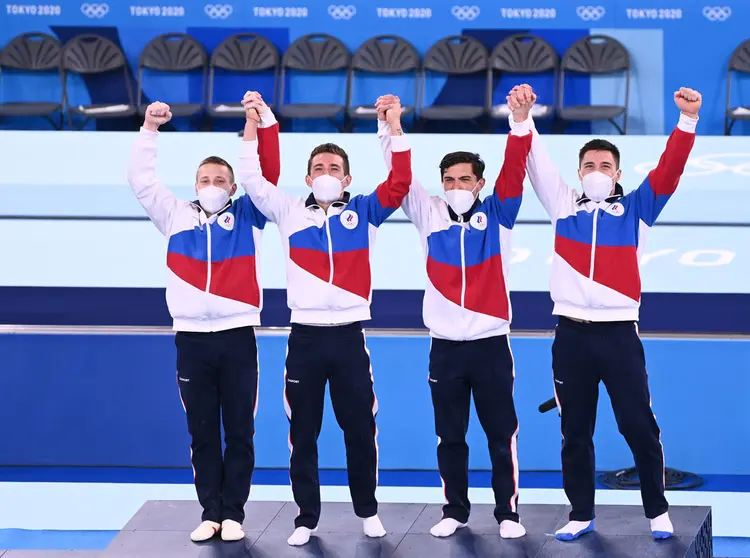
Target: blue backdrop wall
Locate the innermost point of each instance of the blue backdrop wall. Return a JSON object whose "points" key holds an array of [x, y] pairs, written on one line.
{"points": [[112, 400], [657, 34]]}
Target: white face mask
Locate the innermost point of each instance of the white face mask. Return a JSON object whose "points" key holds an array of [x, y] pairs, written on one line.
{"points": [[326, 188], [212, 198], [460, 200], [597, 186]]}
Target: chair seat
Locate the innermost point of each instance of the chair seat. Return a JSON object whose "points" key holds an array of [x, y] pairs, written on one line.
{"points": [[177, 109], [228, 110], [104, 111], [451, 112], [310, 110], [29, 108], [367, 112], [537, 111], [591, 112], [738, 113]]}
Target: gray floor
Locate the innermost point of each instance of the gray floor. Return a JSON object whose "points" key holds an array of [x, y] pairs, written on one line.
{"points": [[160, 529]]}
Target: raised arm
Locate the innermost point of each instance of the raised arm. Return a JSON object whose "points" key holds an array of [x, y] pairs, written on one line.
{"points": [[416, 204], [269, 200], [545, 179], [158, 201], [508, 193], [387, 197], [268, 145], [654, 192]]}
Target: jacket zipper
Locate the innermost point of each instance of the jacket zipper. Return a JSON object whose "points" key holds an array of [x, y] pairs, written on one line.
{"points": [[463, 264], [208, 275], [330, 248], [593, 249]]}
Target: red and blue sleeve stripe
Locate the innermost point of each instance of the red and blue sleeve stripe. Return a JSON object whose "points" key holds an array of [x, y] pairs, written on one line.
{"points": [[506, 199], [654, 192], [387, 197]]}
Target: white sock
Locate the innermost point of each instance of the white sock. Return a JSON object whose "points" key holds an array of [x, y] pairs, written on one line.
{"points": [[574, 529], [446, 527], [661, 527], [511, 529], [373, 527], [205, 531], [231, 531], [300, 536]]}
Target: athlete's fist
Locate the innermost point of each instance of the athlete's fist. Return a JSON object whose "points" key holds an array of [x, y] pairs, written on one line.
{"points": [[520, 100], [157, 114], [688, 101]]}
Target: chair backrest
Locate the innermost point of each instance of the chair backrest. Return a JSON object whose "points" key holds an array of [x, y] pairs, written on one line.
{"points": [[173, 52], [386, 54], [524, 54], [245, 52], [740, 59], [596, 54], [32, 52], [456, 55], [317, 52], [92, 54]]}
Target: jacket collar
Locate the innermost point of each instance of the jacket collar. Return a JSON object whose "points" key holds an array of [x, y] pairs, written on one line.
{"points": [[197, 203], [310, 202], [619, 192], [466, 216]]}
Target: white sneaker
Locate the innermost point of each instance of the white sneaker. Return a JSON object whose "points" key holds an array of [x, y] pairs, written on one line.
{"points": [[231, 531], [373, 527], [301, 536], [661, 527], [511, 529], [446, 527], [205, 531], [574, 529]]}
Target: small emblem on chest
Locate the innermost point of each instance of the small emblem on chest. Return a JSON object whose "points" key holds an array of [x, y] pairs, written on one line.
{"points": [[478, 221], [349, 219], [226, 221], [616, 209]]}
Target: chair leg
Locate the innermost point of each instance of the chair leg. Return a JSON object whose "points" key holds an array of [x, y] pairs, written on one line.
{"points": [[617, 126]]}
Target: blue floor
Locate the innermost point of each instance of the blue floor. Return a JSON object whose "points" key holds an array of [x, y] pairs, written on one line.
{"points": [[21, 539]]}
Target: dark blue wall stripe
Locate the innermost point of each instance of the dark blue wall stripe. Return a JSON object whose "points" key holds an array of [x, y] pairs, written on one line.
{"points": [[391, 309]]}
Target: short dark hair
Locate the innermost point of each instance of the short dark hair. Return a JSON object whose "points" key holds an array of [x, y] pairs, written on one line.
{"points": [[600, 145], [458, 157], [214, 160], [329, 148]]}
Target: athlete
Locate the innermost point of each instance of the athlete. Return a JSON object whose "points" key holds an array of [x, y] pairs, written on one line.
{"points": [[327, 238], [596, 289], [214, 297], [467, 245]]}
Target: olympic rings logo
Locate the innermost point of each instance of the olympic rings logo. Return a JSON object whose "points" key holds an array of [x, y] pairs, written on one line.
{"points": [[717, 13], [342, 12], [95, 11], [465, 13], [591, 13], [708, 164], [218, 11]]}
